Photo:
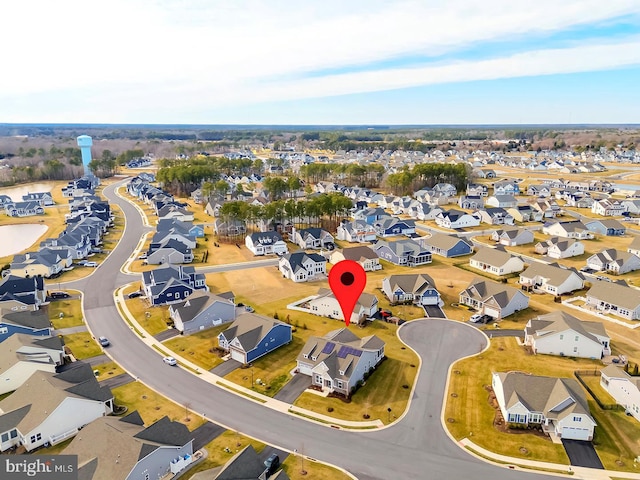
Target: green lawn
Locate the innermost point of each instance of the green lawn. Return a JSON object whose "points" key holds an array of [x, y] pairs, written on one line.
{"points": [[197, 347], [71, 311], [82, 345]]}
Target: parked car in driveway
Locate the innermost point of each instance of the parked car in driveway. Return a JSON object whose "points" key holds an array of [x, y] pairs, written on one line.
{"points": [[56, 295], [91, 264], [134, 295], [170, 361], [272, 463], [475, 318]]}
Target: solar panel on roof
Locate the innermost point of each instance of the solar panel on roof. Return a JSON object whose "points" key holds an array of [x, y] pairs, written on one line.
{"points": [[328, 348], [342, 353]]}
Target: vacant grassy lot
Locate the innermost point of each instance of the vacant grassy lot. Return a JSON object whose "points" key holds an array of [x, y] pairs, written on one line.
{"points": [[82, 345], [71, 310], [152, 318], [470, 410], [108, 370], [197, 347], [153, 406]]}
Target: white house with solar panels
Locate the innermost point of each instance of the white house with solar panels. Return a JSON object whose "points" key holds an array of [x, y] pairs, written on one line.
{"points": [[337, 361]]}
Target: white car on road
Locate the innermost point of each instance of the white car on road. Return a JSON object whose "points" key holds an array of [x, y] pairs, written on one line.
{"points": [[170, 361]]}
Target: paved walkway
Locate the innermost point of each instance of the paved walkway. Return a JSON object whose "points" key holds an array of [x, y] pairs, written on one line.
{"points": [[70, 330]]}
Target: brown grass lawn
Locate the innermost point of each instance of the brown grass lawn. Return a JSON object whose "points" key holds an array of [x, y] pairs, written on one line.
{"points": [[108, 370], [197, 347], [71, 309], [472, 413], [153, 406], [616, 438], [82, 345], [152, 318]]}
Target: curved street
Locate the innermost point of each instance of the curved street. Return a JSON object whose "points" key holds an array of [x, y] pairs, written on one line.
{"points": [[415, 447]]}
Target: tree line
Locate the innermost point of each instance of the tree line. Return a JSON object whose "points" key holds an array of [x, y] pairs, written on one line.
{"points": [[369, 175], [427, 175]]}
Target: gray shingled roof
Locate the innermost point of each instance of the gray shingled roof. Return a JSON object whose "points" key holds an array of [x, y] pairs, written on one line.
{"points": [[615, 294], [554, 274], [560, 321]]}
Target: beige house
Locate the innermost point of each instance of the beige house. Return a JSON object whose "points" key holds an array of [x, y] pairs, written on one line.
{"points": [[493, 299], [365, 256], [496, 261]]}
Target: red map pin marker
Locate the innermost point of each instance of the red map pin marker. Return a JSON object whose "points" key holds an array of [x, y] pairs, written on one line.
{"points": [[347, 280]]}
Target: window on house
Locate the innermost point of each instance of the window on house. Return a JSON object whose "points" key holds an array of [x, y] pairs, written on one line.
{"points": [[14, 433], [575, 349], [577, 419], [561, 337], [577, 337], [5, 437]]}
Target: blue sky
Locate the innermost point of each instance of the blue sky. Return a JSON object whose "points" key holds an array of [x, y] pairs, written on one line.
{"points": [[329, 62]]}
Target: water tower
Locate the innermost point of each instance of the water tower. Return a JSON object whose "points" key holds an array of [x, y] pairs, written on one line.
{"points": [[85, 143]]}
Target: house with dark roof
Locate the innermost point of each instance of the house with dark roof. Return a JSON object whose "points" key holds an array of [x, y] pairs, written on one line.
{"points": [[201, 310], [495, 216], [457, 219], [501, 201], [573, 229], [302, 267], [493, 299], [365, 256], [325, 304], [229, 227], [559, 405], [252, 336], [162, 236], [608, 207], [613, 261], [122, 448], [176, 212], [311, 238], [558, 333], [560, 247], [46, 262], [49, 408], [79, 245], [551, 278], [614, 298], [23, 209], [245, 464], [403, 252], [512, 236], [496, 261], [418, 289], [370, 215], [27, 322], [170, 251], [608, 226], [339, 360], [634, 246], [4, 199], [21, 355], [471, 202], [18, 293], [43, 198], [388, 226], [168, 284], [525, 213], [506, 187], [266, 243]]}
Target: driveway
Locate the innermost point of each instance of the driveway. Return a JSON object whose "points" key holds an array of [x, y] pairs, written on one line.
{"points": [[226, 368], [268, 450], [166, 334], [433, 311], [293, 389], [206, 433], [502, 333], [582, 454], [117, 381]]}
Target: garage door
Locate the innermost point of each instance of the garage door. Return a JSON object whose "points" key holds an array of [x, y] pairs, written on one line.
{"points": [[237, 355], [491, 311], [576, 433]]}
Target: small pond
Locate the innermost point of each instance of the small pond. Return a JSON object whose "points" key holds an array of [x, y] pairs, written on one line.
{"points": [[18, 191], [16, 238]]}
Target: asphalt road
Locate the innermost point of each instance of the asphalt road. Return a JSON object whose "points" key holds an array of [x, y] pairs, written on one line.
{"points": [[416, 447]]}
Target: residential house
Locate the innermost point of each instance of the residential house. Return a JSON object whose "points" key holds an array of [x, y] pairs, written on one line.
{"points": [[445, 189], [161, 237], [170, 251], [21, 355], [613, 261], [624, 388], [365, 256], [506, 187], [634, 247], [552, 278], [403, 252], [471, 202], [418, 289], [266, 243], [18, 293], [302, 267], [175, 212], [45, 262], [230, 227], [201, 310], [525, 213], [495, 216], [511, 237], [325, 304], [477, 189], [607, 207], [559, 247], [168, 284], [446, 245], [49, 408], [549, 208], [631, 205], [358, 231], [312, 238], [252, 336], [246, 464], [558, 333], [339, 360], [43, 198], [457, 219], [31, 322], [493, 299], [502, 201], [23, 209], [496, 261], [572, 229], [614, 298], [609, 227], [78, 244], [370, 215], [538, 190], [559, 405], [5, 199], [391, 226]]}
